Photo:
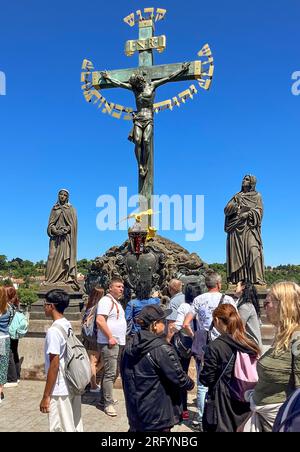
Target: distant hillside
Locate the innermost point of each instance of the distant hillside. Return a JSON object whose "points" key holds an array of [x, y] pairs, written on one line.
{"points": [[273, 274], [19, 268]]}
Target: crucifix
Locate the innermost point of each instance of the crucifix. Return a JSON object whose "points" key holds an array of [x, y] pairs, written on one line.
{"points": [[143, 81]]}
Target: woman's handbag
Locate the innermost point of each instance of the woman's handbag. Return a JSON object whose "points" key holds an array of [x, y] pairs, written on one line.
{"points": [[183, 345], [210, 415]]}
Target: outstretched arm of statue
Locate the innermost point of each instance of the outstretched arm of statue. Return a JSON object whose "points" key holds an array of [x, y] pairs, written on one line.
{"points": [[170, 77], [115, 81]]}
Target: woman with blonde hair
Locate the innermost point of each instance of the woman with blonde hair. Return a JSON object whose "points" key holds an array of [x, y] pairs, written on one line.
{"points": [[91, 343], [279, 368], [5, 317]]}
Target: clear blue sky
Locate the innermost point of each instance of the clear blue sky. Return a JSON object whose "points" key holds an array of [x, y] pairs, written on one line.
{"points": [[247, 123]]}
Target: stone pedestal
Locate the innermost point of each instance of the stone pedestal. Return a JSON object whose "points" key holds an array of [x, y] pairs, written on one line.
{"points": [[31, 347]]}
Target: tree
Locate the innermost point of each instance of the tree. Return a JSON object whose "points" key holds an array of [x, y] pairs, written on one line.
{"points": [[27, 296], [3, 262]]}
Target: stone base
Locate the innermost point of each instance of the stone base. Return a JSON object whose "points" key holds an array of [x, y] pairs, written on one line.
{"points": [[31, 347], [73, 312]]}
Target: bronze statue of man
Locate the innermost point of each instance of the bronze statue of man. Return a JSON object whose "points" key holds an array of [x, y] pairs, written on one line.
{"points": [[243, 217], [144, 92], [61, 267]]}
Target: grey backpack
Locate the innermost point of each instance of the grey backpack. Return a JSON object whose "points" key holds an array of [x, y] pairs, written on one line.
{"points": [[77, 368]]}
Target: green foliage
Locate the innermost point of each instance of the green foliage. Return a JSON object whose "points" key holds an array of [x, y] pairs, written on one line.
{"points": [[83, 266], [273, 274], [26, 270], [6, 282], [27, 296], [3, 262], [221, 269], [283, 273]]}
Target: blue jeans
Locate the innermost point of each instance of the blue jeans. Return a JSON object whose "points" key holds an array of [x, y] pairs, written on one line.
{"points": [[201, 392]]}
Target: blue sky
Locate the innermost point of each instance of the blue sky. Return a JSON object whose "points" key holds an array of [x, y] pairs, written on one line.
{"points": [[247, 123]]}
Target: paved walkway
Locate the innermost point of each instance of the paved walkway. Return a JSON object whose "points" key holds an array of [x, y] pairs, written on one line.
{"points": [[19, 411]]}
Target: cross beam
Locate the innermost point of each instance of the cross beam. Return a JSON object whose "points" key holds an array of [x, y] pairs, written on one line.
{"points": [[152, 73]]}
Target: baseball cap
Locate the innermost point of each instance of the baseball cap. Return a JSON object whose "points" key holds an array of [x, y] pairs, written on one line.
{"points": [[152, 313]]}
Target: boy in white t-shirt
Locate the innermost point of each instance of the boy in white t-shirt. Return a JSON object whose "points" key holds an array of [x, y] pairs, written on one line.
{"points": [[64, 409], [112, 327]]}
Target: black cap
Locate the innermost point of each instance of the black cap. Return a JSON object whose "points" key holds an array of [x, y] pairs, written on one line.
{"points": [[152, 313]]}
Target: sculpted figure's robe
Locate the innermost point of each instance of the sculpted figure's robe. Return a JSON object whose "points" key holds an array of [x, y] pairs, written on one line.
{"points": [[244, 244], [62, 260]]}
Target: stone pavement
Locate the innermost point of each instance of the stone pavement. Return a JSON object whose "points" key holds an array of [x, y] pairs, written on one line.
{"points": [[19, 411]]}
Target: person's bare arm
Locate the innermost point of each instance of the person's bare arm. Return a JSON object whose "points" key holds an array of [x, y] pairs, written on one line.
{"points": [[51, 379], [116, 82], [187, 324], [101, 321], [170, 77]]}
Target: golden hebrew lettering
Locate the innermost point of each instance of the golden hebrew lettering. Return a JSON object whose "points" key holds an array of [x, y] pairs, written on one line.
{"points": [[185, 94], [87, 95], [87, 85], [139, 14], [160, 106], [205, 51], [102, 101], [175, 101], [86, 64], [92, 93], [210, 72], [97, 96], [205, 84], [149, 10], [129, 20], [117, 114], [128, 116], [108, 107], [160, 14], [193, 89], [84, 76]]}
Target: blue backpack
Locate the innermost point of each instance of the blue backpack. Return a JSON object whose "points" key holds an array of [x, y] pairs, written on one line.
{"points": [[18, 326], [288, 417]]}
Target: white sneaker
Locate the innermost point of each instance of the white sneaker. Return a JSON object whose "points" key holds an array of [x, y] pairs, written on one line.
{"points": [[110, 411], [98, 389], [101, 403], [11, 385]]}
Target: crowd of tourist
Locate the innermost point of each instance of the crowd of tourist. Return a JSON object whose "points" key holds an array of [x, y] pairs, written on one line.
{"points": [[241, 385]]}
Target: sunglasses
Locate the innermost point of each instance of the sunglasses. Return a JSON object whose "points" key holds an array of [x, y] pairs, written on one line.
{"points": [[268, 302]]}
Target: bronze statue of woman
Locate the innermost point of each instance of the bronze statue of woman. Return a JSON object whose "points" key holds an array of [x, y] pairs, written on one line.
{"points": [[61, 267], [243, 217], [144, 92]]}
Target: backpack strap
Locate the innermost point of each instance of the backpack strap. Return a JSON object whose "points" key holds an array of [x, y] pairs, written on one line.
{"points": [[63, 331], [114, 304], [12, 312], [223, 373], [219, 304]]}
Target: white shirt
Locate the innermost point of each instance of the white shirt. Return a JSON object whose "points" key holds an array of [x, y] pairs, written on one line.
{"points": [[204, 305], [116, 321], [182, 312], [56, 345]]}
